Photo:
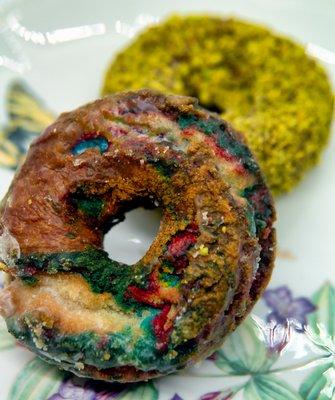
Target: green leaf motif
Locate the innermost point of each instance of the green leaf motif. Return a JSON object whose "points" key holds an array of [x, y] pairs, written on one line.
{"points": [[37, 381], [244, 351], [268, 387], [319, 385], [324, 316], [6, 340], [144, 391]]}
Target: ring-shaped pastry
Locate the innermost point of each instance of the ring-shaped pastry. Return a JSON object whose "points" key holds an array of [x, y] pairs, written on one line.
{"points": [[211, 259]]}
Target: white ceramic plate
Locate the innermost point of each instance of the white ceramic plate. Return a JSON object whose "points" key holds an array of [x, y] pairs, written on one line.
{"points": [[61, 49]]}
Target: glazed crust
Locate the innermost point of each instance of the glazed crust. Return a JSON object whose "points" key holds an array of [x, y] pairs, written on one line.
{"points": [[210, 261]]}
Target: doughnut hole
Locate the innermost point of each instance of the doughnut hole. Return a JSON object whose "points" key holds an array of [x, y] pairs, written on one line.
{"points": [[130, 239]]}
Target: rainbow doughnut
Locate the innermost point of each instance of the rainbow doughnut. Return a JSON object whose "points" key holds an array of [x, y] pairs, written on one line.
{"points": [[212, 257]]}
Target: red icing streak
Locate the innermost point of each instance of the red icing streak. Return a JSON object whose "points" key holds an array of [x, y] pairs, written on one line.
{"points": [[162, 327], [30, 270], [188, 132], [103, 342], [223, 153], [180, 263], [182, 241], [150, 295], [89, 135], [117, 131], [158, 296], [219, 151], [258, 197], [179, 244], [266, 232]]}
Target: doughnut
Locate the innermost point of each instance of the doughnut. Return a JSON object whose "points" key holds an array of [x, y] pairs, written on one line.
{"points": [[264, 84], [74, 306]]}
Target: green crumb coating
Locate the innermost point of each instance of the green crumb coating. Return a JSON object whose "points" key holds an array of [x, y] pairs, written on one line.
{"points": [[264, 84]]}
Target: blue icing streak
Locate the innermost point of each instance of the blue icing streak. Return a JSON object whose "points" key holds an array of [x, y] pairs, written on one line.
{"points": [[99, 143]]}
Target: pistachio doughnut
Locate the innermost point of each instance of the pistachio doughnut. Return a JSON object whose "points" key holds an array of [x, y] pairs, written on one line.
{"points": [[212, 257], [264, 84]]}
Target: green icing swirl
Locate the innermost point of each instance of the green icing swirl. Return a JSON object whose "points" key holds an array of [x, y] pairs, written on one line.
{"points": [[110, 351], [101, 273]]}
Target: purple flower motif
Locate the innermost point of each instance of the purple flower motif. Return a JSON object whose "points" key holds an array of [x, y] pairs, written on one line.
{"points": [[176, 397], [277, 336], [286, 308], [220, 395], [83, 389], [212, 357], [70, 391]]}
